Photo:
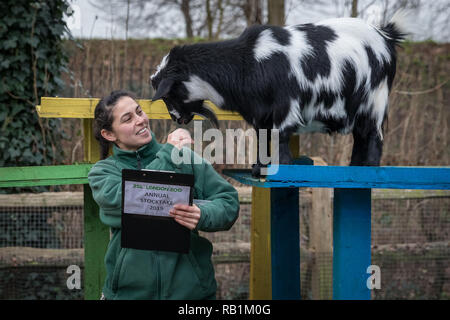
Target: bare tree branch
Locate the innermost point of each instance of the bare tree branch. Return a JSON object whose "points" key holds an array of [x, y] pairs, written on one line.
{"points": [[422, 91]]}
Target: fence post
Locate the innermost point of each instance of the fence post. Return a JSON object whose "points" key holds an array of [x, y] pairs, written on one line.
{"points": [[321, 239], [351, 243], [268, 279], [260, 261], [96, 234], [91, 147], [285, 243], [96, 238]]}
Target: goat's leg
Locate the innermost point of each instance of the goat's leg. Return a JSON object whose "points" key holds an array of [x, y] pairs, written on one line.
{"points": [[367, 148], [285, 156], [375, 150], [265, 139], [284, 153]]}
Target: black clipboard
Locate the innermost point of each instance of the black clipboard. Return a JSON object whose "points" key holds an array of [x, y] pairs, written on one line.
{"points": [[146, 231]]}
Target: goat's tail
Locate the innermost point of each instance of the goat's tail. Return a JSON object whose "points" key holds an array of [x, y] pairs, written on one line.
{"points": [[399, 26]]}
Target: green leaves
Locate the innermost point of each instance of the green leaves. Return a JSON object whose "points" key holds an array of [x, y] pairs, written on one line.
{"points": [[31, 60], [8, 44]]}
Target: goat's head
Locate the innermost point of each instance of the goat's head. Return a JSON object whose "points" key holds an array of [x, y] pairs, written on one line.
{"points": [[171, 83]]}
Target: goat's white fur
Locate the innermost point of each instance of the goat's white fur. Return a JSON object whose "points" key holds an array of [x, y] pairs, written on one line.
{"points": [[199, 88]]}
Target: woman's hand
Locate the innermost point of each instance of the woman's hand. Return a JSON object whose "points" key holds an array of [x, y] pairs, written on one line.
{"points": [[179, 138], [185, 215]]}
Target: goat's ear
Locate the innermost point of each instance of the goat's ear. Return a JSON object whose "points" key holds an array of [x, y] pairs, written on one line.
{"points": [[163, 89]]}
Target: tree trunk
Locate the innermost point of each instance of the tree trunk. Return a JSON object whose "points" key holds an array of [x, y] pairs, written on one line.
{"points": [[220, 23], [354, 8], [253, 12], [187, 17], [276, 12], [209, 19]]}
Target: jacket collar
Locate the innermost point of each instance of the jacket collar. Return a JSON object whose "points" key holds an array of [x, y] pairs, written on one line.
{"points": [[139, 158]]}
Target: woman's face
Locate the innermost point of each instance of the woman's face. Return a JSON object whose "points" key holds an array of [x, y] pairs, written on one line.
{"points": [[130, 127]]}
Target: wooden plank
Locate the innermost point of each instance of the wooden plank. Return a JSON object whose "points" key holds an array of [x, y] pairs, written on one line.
{"points": [[43, 199], [321, 238], [351, 243], [83, 108], [260, 257], [230, 252], [96, 239], [406, 249], [35, 257], [285, 243], [398, 194], [44, 175], [54, 107], [75, 198], [349, 177], [363, 177], [223, 252]]}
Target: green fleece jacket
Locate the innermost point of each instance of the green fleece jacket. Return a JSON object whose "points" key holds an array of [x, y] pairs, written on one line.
{"points": [[142, 274]]}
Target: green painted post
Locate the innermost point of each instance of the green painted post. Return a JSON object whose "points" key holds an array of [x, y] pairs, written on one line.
{"points": [[96, 239], [96, 234]]}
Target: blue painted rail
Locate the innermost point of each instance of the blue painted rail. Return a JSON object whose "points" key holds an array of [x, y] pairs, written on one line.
{"points": [[351, 218]]}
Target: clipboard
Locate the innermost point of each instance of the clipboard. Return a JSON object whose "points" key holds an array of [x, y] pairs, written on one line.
{"points": [[147, 195]]}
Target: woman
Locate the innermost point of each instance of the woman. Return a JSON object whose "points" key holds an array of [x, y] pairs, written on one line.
{"points": [[142, 274]]}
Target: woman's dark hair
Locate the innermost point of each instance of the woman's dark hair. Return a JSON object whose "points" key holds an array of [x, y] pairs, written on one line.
{"points": [[103, 118]]}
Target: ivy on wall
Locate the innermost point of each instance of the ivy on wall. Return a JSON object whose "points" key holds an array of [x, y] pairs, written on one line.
{"points": [[31, 62]]}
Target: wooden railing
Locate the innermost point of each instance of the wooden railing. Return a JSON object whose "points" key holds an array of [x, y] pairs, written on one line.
{"points": [[275, 252]]}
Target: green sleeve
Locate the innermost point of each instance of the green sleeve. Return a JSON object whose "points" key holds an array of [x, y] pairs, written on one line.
{"points": [[105, 180], [223, 209]]}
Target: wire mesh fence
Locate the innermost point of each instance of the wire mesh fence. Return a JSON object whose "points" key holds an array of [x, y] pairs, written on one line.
{"points": [[42, 234]]}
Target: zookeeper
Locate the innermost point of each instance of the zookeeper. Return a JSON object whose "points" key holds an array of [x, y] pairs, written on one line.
{"points": [[146, 274]]}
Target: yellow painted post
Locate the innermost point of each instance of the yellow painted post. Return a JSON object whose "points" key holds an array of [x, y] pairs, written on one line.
{"points": [[294, 146], [260, 255], [91, 146]]}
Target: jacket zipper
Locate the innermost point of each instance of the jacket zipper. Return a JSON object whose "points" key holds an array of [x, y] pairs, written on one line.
{"points": [[139, 166], [158, 271], [158, 277]]}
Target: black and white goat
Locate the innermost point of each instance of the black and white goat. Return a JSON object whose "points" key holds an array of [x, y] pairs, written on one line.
{"points": [[331, 76]]}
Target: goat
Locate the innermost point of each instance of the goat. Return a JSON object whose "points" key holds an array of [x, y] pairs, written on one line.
{"points": [[331, 76]]}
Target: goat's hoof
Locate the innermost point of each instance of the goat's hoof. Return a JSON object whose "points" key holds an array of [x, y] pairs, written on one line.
{"points": [[256, 170]]}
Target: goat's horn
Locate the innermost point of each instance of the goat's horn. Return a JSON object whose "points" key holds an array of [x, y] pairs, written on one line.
{"points": [[207, 113]]}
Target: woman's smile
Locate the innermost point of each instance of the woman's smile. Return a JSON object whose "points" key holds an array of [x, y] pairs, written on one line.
{"points": [[143, 132]]}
